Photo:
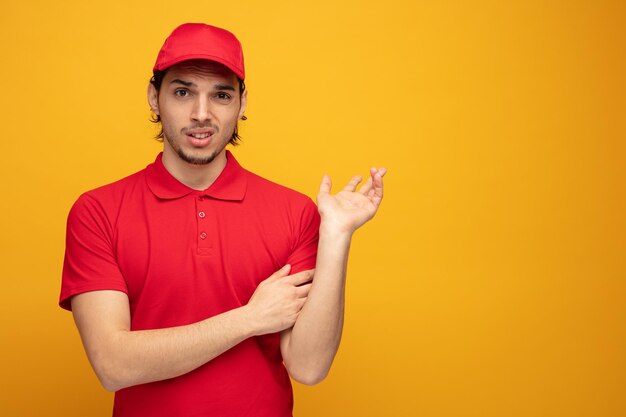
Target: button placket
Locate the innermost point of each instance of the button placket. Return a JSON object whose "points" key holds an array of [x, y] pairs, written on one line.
{"points": [[202, 232]]}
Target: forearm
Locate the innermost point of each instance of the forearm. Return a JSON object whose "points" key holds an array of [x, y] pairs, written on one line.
{"points": [[154, 355], [122, 358], [310, 346]]}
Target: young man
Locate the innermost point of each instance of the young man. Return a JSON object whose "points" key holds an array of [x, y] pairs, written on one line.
{"points": [[192, 282]]}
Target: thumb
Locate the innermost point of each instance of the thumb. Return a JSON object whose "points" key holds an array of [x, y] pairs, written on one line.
{"points": [[325, 185], [281, 273]]}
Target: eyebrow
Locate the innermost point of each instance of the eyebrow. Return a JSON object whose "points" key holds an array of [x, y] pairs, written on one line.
{"points": [[185, 83], [226, 87]]}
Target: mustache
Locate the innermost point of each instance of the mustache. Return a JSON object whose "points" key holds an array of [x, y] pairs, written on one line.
{"points": [[215, 129]]}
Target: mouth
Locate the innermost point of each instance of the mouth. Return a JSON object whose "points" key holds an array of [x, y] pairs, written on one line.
{"points": [[200, 137]]}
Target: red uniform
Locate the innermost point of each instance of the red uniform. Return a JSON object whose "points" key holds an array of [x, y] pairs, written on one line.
{"points": [[182, 256]]}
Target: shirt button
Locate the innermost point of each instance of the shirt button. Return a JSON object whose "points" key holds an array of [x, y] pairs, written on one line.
{"points": [[201, 214], [203, 235]]}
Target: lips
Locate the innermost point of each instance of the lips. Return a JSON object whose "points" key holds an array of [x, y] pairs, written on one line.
{"points": [[199, 137]]}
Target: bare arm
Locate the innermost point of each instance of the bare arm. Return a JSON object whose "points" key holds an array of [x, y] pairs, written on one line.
{"points": [[309, 347], [122, 358]]}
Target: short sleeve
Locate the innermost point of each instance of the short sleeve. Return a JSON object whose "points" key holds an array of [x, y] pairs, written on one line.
{"points": [[305, 253], [90, 263]]}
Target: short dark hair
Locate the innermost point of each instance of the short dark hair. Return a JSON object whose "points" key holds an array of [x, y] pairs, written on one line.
{"points": [[157, 80]]}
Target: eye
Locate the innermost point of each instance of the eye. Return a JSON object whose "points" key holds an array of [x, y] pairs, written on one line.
{"points": [[222, 96], [181, 92]]}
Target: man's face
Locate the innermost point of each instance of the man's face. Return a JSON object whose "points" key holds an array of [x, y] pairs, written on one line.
{"points": [[199, 105]]}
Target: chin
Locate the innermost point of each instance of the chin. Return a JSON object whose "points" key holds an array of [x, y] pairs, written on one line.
{"points": [[197, 159]]}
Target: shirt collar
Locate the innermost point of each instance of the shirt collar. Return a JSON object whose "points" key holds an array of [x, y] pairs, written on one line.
{"points": [[230, 185]]}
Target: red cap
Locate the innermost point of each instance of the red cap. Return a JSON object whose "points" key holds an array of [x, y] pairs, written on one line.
{"points": [[200, 41]]}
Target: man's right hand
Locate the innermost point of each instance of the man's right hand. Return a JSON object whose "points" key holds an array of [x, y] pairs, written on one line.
{"points": [[277, 301]]}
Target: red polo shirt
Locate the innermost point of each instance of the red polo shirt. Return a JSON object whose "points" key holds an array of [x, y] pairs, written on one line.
{"points": [[182, 256]]}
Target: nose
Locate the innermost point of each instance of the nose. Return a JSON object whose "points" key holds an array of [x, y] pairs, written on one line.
{"points": [[201, 111]]}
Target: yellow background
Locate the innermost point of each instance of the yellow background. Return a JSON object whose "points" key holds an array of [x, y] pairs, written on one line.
{"points": [[491, 283]]}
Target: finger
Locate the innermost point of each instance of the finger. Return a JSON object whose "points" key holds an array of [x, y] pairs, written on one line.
{"points": [[325, 185], [303, 277], [376, 193], [367, 185], [303, 290], [381, 171], [281, 273], [351, 186]]}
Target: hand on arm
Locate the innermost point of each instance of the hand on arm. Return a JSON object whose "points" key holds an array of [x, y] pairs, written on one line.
{"points": [[309, 347], [122, 358]]}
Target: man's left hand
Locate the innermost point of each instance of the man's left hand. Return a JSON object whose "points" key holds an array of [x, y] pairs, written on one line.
{"points": [[350, 208]]}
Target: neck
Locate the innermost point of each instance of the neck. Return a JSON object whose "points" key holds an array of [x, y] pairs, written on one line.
{"points": [[198, 177]]}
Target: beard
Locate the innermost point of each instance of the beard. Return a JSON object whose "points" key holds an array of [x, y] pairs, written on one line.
{"points": [[193, 159], [189, 157]]}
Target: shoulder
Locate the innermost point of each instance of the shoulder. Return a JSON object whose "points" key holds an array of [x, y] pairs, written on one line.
{"points": [[119, 187], [109, 197], [259, 186]]}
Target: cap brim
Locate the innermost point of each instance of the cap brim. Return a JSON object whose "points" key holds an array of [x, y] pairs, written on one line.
{"points": [[167, 64]]}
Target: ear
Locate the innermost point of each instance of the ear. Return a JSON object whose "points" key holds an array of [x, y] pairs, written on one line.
{"points": [[153, 99], [244, 103]]}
